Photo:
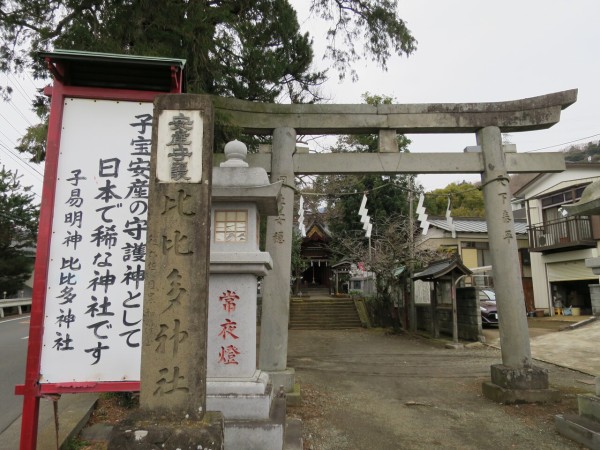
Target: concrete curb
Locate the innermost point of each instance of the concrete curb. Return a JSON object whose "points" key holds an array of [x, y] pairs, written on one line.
{"points": [[579, 324], [74, 411]]}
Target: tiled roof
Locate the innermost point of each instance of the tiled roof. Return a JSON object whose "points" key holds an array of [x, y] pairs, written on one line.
{"points": [[472, 225], [440, 268]]}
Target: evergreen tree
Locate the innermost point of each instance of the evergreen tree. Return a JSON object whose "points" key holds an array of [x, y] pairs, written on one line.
{"points": [[18, 231], [387, 195], [247, 49]]}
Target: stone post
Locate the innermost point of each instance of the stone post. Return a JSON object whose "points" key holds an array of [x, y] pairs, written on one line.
{"points": [[276, 285], [595, 298], [174, 332], [516, 379]]}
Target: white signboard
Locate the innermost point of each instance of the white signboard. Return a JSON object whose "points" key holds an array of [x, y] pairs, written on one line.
{"points": [[94, 298]]}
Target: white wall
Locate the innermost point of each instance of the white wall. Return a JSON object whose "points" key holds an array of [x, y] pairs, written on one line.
{"points": [[546, 184]]}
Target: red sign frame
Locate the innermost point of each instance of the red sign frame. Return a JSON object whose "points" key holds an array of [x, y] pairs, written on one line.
{"points": [[32, 390]]}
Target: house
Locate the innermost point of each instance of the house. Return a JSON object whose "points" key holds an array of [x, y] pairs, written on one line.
{"points": [[559, 244], [467, 237]]}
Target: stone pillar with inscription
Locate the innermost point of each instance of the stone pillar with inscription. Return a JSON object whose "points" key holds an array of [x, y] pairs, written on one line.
{"points": [[254, 414], [516, 380], [174, 338], [276, 285]]}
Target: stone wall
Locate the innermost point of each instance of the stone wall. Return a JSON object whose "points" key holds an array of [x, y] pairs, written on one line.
{"points": [[424, 317], [469, 316]]}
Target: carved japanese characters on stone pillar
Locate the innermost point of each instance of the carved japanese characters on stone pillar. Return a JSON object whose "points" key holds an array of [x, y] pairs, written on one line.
{"points": [[278, 236], [173, 356]]}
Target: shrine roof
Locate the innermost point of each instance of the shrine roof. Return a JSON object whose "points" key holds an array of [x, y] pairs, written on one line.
{"points": [[318, 231], [438, 269]]}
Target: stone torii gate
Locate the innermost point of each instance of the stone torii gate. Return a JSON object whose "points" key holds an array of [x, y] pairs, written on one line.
{"points": [[516, 379]]}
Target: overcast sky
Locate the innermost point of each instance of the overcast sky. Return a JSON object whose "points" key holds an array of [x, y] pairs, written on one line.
{"points": [[468, 51], [15, 117], [481, 51]]}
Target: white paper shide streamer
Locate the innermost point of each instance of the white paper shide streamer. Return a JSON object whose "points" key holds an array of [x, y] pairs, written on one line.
{"points": [[301, 226], [422, 216], [364, 217]]}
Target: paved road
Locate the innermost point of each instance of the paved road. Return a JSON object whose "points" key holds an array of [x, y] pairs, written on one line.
{"points": [[14, 332], [554, 341]]}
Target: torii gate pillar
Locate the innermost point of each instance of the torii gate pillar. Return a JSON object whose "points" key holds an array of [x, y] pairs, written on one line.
{"points": [[276, 285], [516, 380]]}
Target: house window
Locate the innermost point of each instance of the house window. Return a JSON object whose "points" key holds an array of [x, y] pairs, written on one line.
{"points": [[231, 226], [476, 253], [552, 203], [525, 256]]}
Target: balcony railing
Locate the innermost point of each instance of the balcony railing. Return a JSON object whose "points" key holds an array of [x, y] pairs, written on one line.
{"points": [[568, 233]]}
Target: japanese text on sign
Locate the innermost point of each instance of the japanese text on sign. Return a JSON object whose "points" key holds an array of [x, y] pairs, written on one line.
{"points": [[98, 247]]}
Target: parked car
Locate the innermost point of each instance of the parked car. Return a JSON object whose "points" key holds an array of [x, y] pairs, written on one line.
{"points": [[487, 305]]}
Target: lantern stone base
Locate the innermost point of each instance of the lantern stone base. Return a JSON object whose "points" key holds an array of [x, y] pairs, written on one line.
{"points": [[584, 427], [142, 432], [579, 429], [519, 385], [285, 378], [240, 398], [264, 434], [254, 416]]}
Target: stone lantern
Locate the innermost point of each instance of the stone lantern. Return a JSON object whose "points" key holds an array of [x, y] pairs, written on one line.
{"points": [[240, 195]]}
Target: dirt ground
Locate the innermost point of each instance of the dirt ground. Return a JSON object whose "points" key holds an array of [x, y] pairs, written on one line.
{"points": [[370, 389], [365, 389]]}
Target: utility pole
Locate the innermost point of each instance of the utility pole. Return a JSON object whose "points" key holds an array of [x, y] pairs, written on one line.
{"points": [[412, 313]]}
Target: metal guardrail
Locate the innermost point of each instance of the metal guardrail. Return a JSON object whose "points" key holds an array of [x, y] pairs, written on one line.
{"points": [[14, 302]]}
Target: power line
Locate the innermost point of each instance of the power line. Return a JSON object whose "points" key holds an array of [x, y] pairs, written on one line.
{"points": [[475, 188], [23, 164], [9, 122], [343, 194], [564, 143], [9, 140], [11, 103], [20, 88], [31, 80]]}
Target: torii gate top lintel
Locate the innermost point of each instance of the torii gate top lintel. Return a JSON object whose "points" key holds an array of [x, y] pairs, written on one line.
{"points": [[527, 114]]}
